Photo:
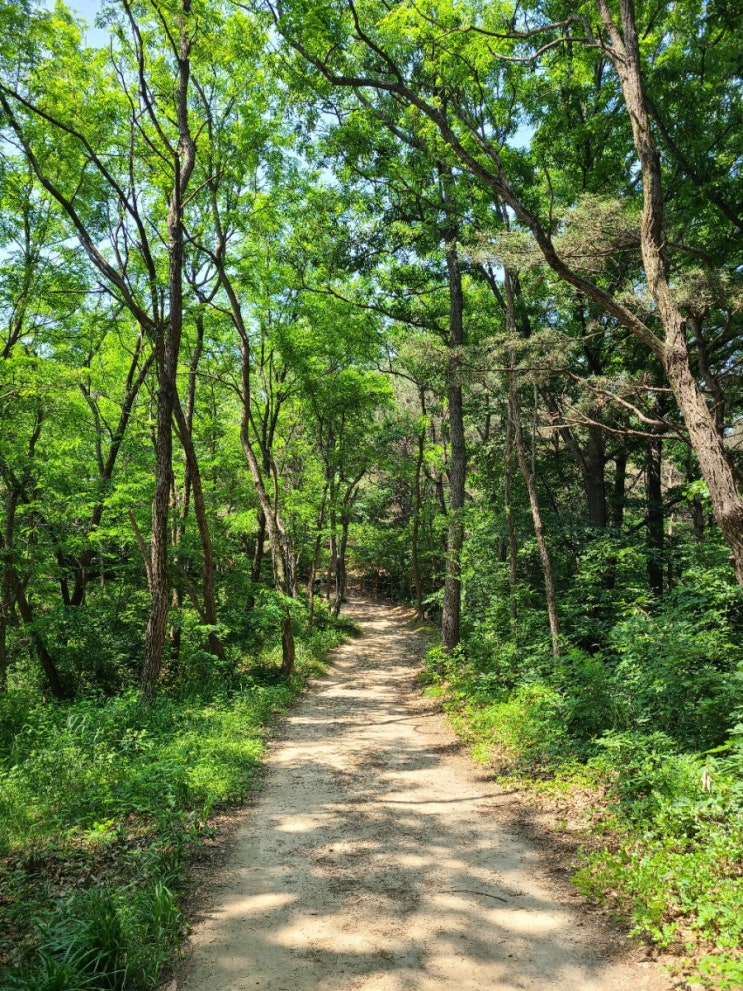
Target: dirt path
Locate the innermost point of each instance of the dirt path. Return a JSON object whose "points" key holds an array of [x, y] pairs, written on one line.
{"points": [[373, 859]]}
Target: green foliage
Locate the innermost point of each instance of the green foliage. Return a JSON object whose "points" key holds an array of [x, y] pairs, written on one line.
{"points": [[641, 699], [122, 791], [676, 874]]}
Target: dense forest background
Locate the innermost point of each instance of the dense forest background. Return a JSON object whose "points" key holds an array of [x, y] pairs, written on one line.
{"points": [[444, 297]]}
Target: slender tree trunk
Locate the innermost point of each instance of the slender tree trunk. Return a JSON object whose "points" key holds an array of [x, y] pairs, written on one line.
{"points": [[349, 498], [513, 549], [594, 478], [46, 660], [159, 583], [417, 504], [655, 516], [288, 653], [167, 348], [311, 583], [135, 379], [458, 460], [619, 487], [280, 557], [333, 555], [340, 567], [276, 537], [207, 549], [6, 587], [528, 475], [180, 517], [314, 564], [177, 593]]}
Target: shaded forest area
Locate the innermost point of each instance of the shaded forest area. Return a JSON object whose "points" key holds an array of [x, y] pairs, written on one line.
{"points": [[444, 297]]}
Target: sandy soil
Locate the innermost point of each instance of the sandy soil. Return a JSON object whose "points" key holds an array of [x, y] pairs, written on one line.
{"points": [[379, 858]]}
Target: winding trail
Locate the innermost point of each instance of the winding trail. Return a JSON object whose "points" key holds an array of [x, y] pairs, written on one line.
{"points": [[373, 858]]}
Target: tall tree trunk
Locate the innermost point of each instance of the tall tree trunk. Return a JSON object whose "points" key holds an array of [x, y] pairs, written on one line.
{"points": [[528, 475], [594, 478], [314, 564], [6, 586], [282, 569], [311, 582], [340, 568], [655, 516], [458, 460], [177, 593], [135, 379], [167, 348], [349, 498], [705, 438], [45, 658], [513, 549], [207, 549], [280, 556], [417, 504], [333, 551], [619, 487]]}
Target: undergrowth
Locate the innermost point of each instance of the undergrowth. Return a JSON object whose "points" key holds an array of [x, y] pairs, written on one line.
{"points": [[101, 802], [643, 723]]}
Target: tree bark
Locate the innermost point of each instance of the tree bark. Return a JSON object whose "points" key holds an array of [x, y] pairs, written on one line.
{"points": [[703, 433], [280, 557], [340, 567], [527, 474], [417, 504], [618, 492], [314, 564], [349, 498], [6, 587], [259, 550], [167, 348], [594, 478], [207, 548], [450, 619], [45, 658], [332, 551], [513, 549], [655, 516]]}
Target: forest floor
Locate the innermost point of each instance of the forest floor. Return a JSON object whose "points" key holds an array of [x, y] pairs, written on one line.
{"points": [[378, 857]]}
